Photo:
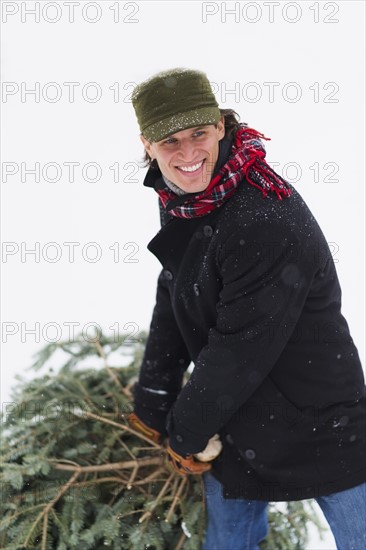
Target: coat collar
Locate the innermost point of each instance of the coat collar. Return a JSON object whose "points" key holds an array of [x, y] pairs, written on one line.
{"points": [[173, 238]]}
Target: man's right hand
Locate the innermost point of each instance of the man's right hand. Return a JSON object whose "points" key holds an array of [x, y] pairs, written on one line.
{"points": [[186, 465], [145, 430]]}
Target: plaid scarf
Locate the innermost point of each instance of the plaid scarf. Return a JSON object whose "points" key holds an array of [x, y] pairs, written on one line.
{"points": [[245, 164]]}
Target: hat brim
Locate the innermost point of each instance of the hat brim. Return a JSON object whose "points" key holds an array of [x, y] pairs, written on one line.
{"points": [[181, 121]]}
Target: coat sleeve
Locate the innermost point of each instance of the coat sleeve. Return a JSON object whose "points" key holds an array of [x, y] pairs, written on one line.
{"points": [[266, 276], [165, 360]]}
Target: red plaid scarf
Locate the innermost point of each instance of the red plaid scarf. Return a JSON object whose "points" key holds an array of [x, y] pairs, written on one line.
{"points": [[245, 163]]}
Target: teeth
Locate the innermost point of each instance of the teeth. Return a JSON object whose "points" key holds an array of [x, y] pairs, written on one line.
{"points": [[191, 168]]}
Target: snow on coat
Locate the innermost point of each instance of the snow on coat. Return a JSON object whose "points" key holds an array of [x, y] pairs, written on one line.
{"points": [[249, 293]]}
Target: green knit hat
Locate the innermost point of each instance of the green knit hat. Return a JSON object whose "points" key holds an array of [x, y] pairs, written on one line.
{"points": [[173, 100]]}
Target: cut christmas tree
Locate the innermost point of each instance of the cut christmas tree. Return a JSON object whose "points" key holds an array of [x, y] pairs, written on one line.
{"points": [[75, 475]]}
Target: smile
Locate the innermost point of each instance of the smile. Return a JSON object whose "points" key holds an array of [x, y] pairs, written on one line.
{"points": [[192, 168]]}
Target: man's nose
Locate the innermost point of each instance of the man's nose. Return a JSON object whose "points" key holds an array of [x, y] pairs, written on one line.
{"points": [[187, 151]]}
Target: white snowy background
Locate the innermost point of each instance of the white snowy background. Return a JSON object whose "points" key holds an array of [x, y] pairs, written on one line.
{"points": [[292, 70]]}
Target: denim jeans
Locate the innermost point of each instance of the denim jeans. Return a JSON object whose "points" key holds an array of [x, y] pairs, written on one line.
{"points": [[239, 524]]}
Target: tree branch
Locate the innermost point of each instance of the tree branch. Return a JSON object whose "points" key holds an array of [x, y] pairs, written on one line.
{"points": [[156, 461], [50, 505]]}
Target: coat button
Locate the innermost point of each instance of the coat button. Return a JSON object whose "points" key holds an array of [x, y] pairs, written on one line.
{"points": [[207, 230], [229, 439], [168, 275], [179, 438], [249, 454], [196, 289]]}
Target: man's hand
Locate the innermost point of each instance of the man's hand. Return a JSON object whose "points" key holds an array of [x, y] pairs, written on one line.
{"points": [[212, 450], [187, 465], [141, 427]]}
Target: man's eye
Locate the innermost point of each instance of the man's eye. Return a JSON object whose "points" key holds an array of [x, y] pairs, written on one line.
{"points": [[170, 140], [199, 133]]}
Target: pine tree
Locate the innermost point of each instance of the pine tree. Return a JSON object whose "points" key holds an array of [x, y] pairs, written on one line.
{"points": [[74, 475]]}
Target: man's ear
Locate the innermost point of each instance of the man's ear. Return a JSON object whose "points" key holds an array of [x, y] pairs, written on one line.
{"points": [[221, 127], [147, 146]]}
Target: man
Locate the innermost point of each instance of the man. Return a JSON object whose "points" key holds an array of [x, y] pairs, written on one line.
{"points": [[250, 294]]}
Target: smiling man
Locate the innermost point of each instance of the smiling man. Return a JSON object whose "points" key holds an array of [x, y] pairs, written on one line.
{"points": [[249, 293], [188, 157]]}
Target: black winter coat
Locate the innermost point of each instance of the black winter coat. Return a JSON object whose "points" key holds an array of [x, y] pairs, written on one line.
{"points": [[249, 293]]}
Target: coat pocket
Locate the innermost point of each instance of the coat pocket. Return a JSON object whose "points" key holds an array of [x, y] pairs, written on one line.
{"points": [[269, 407], [281, 406], [273, 435]]}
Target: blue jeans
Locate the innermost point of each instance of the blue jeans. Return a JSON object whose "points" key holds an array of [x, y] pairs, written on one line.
{"points": [[239, 524]]}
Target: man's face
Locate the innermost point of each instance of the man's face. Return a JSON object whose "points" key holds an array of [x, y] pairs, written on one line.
{"points": [[188, 158]]}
